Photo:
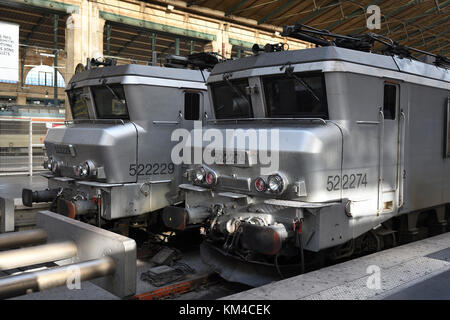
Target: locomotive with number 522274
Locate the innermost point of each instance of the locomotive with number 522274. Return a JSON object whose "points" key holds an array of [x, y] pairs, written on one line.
{"points": [[362, 142]]}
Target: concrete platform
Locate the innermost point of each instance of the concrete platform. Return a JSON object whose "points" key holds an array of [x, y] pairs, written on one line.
{"points": [[419, 270]]}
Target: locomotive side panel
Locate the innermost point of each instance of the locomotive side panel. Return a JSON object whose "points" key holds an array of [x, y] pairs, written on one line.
{"points": [[427, 171], [155, 125], [353, 104]]}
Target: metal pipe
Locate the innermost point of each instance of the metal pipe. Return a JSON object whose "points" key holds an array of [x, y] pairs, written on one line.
{"points": [[28, 282], [55, 61], [177, 46], [21, 238], [192, 48], [154, 55], [108, 39], [402, 159], [38, 254], [380, 163], [30, 148]]}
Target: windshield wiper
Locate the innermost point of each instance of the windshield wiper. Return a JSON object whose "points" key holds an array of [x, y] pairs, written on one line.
{"points": [[226, 78], [290, 73], [112, 91]]}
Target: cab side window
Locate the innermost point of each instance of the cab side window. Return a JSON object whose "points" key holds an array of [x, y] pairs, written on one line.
{"points": [[191, 106], [390, 101]]}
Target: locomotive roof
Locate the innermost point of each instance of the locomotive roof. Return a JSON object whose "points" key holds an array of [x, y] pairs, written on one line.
{"points": [[141, 71], [331, 53]]}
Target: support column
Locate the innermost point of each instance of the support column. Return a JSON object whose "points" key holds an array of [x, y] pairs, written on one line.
{"points": [[226, 45], [21, 98], [84, 38], [221, 45]]}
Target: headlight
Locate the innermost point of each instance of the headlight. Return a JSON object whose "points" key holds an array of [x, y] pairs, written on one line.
{"points": [[211, 178], [260, 184], [48, 164], [81, 170], [55, 166], [85, 169], [200, 174], [275, 183]]}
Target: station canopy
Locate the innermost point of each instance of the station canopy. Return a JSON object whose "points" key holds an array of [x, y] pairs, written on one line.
{"points": [[421, 24]]}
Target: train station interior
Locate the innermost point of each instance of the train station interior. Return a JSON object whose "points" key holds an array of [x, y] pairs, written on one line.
{"points": [[52, 50]]}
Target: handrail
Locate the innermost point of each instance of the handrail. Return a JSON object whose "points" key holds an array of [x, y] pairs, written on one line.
{"points": [[380, 163], [401, 160], [268, 119], [93, 121], [165, 122], [367, 122]]}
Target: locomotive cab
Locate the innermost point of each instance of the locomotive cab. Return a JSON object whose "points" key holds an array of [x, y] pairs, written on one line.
{"points": [[113, 158]]}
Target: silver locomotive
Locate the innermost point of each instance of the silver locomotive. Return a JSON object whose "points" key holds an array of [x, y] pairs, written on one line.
{"points": [[113, 159], [362, 144]]}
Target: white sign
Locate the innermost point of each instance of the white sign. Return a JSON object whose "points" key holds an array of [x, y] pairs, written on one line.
{"points": [[9, 51]]}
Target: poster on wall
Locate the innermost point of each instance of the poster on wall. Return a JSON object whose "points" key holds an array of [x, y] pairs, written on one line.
{"points": [[9, 51]]}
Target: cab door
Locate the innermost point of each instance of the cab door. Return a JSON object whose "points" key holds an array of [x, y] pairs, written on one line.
{"points": [[391, 149], [192, 117], [192, 108]]}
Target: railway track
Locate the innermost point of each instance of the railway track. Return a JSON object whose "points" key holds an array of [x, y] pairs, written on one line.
{"points": [[199, 285], [209, 285]]}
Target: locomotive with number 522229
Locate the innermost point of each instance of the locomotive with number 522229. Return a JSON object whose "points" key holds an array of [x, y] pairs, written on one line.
{"points": [[112, 161]]}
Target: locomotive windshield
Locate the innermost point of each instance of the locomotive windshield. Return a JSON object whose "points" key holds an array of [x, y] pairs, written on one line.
{"points": [[110, 102], [231, 100], [295, 95], [78, 104]]}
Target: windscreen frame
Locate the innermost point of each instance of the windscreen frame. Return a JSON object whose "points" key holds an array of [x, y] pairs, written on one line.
{"points": [[104, 87], [324, 114], [87, 96], [235, 82]]}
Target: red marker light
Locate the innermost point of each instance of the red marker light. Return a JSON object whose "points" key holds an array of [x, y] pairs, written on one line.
{"points": [[260, 185], [210, 178]]}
